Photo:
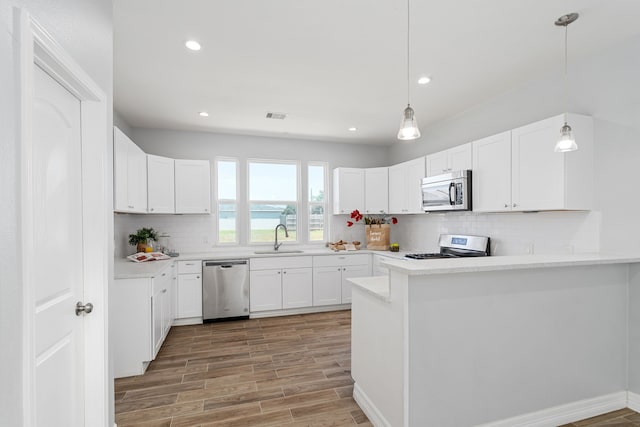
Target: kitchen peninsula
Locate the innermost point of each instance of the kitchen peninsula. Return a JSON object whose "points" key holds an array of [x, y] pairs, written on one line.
{"points": [[496, 341]]}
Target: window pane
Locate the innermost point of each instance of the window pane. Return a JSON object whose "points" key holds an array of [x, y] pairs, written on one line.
{"points": [[316, 222], [273, 181], [227, 214], [226, 180], [316, 183], [265, 218]]}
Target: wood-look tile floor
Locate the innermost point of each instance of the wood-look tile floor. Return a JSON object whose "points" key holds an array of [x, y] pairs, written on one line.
{"points": [[281, 371]]}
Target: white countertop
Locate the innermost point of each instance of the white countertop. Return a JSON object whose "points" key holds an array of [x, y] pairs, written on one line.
{"points": [[378, 286], [127, 269], [505, 262]]}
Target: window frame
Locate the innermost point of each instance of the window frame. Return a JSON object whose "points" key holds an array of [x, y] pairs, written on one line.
{"points": [[324, 203], [296, 202], [235, 202]]}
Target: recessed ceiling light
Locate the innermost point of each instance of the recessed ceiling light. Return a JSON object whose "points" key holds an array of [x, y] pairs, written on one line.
{"points": [[203, 114], [352, 129], [424, 80], [192, 44]]}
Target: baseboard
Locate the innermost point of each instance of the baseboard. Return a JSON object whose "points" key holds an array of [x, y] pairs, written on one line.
{"points": [[633, 401], [187, 321], [568, 413], [303, 310], [370, 410]]}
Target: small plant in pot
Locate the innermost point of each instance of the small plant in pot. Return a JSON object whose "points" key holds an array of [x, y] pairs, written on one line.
{"points": [[142, 237]]}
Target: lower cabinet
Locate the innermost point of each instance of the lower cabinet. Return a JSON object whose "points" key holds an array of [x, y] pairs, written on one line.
{"points": [[330, 274], [189, 289], [280, 283], [140, 318]]}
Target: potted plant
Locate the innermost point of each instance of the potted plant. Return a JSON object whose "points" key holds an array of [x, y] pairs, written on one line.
{"points": [[141, 238]]}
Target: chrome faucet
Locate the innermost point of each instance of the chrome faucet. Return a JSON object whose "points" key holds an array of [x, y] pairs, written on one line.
{"points": [[276, 245]]}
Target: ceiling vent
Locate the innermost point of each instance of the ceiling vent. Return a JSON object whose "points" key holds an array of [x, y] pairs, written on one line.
{"points": [[276, 116]]}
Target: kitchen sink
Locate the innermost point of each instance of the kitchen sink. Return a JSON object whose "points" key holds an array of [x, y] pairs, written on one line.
{"points": [[272, 252]]}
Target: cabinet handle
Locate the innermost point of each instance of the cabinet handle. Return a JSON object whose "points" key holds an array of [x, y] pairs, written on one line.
{"points": [[506, 205], [164, 291], [151, 210], [130, 207], [515, 205], [206, 210], [279, 272], [284, 272], [339, 269], [197, 277], [163, 274]]}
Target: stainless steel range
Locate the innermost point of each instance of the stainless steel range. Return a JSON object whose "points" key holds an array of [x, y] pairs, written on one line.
{"points": [[457, 246]]}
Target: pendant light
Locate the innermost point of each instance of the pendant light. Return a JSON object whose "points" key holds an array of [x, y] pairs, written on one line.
{"points": [[408, 125], [567, 141]]}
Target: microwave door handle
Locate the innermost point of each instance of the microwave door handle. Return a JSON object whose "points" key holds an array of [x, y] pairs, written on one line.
{"points": [[452, 197]]}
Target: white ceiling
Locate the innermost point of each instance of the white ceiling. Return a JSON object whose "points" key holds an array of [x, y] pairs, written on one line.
{"points": [[333, 64]]}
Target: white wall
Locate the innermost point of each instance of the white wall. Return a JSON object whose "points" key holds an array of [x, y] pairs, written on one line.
{"points": [[84, 29], [195, 233]]}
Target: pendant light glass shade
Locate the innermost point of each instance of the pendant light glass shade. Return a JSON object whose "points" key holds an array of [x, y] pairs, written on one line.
{"points": [[408, 126], [566, 142]]}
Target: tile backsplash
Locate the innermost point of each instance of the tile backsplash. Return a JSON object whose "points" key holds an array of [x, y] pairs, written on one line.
{"points": [[510, 233]]}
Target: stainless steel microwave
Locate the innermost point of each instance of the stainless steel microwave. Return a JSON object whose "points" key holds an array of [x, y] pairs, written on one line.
{"points": [[447, 192]]}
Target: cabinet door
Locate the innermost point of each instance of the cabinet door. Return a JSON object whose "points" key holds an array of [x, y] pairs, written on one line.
{"points": [[460, 157], [156, 322], [415, 171], [348, 190], [538, 172], [297, 287], [492, 173], [189, 295], [397, 192], [376, 190], [327, 285], [160, 184], [193, 186], [437, 163], [347, 273], [130, 175], [120, 154], [265, 290]]}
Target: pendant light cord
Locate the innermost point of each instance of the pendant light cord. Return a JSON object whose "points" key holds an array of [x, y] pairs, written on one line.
{"points": [[566, 74], [408, 51]]}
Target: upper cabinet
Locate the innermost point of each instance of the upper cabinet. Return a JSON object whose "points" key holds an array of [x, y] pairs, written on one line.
{"points": [[160, 184], [405, 192], [520, 171], [129, 175], [348, 190], [193, 186], [376, 190], [453, 159]]}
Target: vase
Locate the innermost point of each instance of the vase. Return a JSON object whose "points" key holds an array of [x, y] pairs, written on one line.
{"points": [[378, 236], [141, 247]]}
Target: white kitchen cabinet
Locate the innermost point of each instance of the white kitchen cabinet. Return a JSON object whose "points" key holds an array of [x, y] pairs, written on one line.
{"points": [[192, 186], [277, 283], [377, 269], [376, 190], [129, 175], [519, 170], [140, 320], [453, 159], [348, 190], [160, 184], [330, 274], [405, 191], [189, 289]]}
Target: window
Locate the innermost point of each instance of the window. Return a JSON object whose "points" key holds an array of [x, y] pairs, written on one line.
{"points": [[273, 200], [227, 201], [317, 201]]}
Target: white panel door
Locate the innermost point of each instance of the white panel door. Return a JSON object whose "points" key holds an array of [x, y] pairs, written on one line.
{"points": [[376, 190], [349, 272], [397, 192], [297, 287], [160, 184], [437, 163], [492, 173], [415, 171], [265, 290], [327, 285], [193, 186], [58, 278], [460, 157], [189, 295], [348, 190]]}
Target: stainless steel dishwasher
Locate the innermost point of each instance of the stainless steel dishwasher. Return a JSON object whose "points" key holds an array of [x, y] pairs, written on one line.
{"points": [[225, 289]]}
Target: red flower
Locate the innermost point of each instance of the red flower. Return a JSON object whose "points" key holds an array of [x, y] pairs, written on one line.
{"points": [[349, 223], [355, 214], [394, 220]]}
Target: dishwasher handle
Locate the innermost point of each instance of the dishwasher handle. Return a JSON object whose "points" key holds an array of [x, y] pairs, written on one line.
{"points": [[224, 264]]}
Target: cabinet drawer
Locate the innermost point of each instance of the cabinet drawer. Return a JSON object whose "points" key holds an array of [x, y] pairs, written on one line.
{"points": [[331, 260], [161, 281], [274, 263], [189, 267]]}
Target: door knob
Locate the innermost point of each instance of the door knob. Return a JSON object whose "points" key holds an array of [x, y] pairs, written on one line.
{"points": [[86, 308]]}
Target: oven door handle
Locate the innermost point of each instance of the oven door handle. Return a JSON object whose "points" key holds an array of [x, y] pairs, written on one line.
{"points": [[452, 197]]}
